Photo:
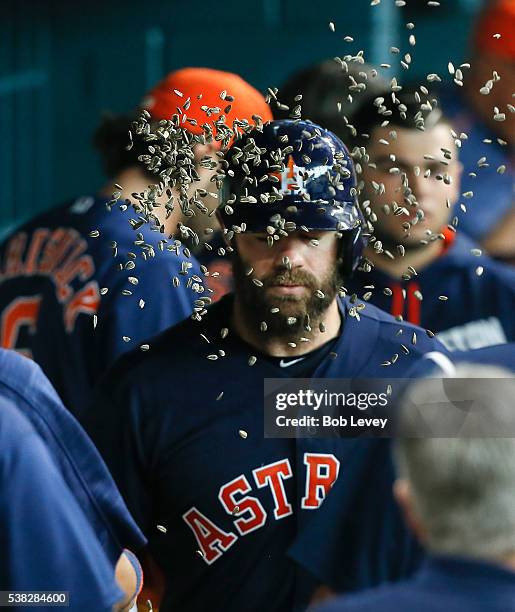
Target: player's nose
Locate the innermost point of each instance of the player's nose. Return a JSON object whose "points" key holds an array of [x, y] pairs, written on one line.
{"points": [[420, 185], [289, 251]]}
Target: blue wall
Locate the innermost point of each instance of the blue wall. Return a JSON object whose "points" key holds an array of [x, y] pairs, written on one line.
{"points": [[63, 63]]}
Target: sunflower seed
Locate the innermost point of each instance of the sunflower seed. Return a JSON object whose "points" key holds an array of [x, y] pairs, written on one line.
{"points": [[243, 434], [161, 528]]}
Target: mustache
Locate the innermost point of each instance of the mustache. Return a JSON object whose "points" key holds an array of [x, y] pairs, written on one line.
{"points": [[290, 277]]}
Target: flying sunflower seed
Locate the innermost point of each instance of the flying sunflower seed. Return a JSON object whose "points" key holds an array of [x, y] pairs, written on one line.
{"points": [[479, 270], [252, 360], [443, 298], [161, 528], [243, 434]]}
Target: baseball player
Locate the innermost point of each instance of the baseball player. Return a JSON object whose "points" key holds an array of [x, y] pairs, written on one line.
{"points": [[80, 284], [423, 270], [47, 542], [181, 425]]}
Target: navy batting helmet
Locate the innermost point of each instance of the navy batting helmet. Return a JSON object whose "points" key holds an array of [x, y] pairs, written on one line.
{"points": [[289, 176]]}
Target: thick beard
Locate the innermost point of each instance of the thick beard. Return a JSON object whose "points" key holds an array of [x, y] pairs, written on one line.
{"points": [[307, 310]]}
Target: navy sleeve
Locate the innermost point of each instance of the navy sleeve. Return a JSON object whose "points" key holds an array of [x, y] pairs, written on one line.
{"points": [[47, 544]]}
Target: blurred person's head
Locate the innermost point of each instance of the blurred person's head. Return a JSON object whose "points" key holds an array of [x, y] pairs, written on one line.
{"points": [[330, 90], [493, 51], [458, 493], [198, 96], [407, 160]]}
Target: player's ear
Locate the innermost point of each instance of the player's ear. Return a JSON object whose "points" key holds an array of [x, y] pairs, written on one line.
{"points": [[403, 495], [227, 238], [208, 149]]}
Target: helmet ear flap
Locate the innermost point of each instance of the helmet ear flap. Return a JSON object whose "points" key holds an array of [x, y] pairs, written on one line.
{"points": [[350, 251]]}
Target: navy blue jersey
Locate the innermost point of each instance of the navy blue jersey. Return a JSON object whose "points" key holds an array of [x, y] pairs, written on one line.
{"points": [[181, 428], [478, 311], [56, 273], [493, 191], [77, 459], [47, 543], [438, 364], [443, 583]]}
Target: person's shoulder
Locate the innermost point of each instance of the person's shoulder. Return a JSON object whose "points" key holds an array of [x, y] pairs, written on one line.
{"points": [[22, 374], [466, 258], [171, 351], [395, 343], [387, 598]]}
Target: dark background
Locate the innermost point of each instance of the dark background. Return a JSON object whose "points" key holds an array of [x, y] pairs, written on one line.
{"points": [[64, 63]]}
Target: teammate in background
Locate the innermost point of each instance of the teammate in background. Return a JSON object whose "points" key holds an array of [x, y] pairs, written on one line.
{"points": [[330, 90], [80, 260], [488, 150], [457, 496], [47, 543], [82, 469], [423, 270], [181, 425]]}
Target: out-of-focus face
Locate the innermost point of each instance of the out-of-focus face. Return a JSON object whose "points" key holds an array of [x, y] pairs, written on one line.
{"points": [[408, 154], [501, 94], [291, 270]]}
